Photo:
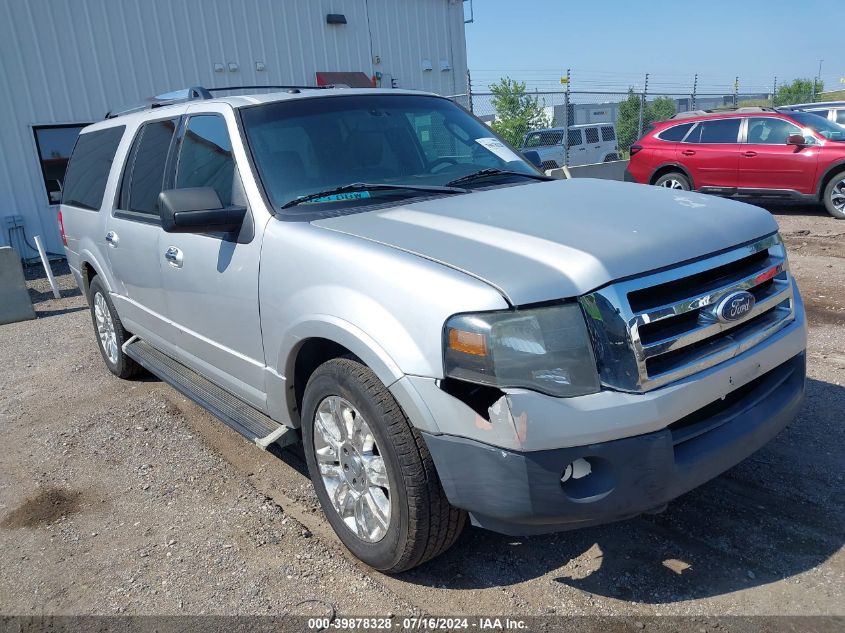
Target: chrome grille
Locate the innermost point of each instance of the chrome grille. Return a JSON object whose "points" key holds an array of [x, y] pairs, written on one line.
{"points": [[655, 329]]}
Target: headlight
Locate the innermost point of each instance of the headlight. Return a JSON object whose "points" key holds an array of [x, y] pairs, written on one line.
{"points": [[545, 349]]}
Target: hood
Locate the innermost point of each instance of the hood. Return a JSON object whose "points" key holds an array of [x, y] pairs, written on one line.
{"points": [[563, 238]]}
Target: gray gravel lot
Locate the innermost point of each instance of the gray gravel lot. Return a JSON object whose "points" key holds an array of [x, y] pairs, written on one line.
{"points": [[124, 497]]}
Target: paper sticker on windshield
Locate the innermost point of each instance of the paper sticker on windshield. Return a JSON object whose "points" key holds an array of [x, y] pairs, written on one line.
{"points": [[498, 148], [349, 195]]}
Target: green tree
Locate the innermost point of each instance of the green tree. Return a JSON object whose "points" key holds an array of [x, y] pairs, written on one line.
{"points": [[628, 121], [660, 109], [517, 112], [799, 91]]}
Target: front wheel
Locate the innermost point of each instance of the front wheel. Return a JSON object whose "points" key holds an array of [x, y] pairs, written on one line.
{"points": [[673, 180], [834, 196], [372, 471]]}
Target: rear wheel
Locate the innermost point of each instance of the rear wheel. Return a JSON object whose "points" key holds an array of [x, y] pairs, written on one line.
{"points": [[372, 471], [111, 334], [673, 180], [834, 196]]}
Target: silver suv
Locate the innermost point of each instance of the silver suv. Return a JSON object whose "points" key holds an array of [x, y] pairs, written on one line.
{"points": [[448, 332]]}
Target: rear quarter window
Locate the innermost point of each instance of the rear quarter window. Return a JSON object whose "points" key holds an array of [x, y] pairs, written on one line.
{"points": [[89, 167], [608, 134], [675, 133]]}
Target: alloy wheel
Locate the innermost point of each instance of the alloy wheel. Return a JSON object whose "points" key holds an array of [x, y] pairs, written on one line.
{"points": [[352, 468], [837, 195], [671, 183], [105, 327]]}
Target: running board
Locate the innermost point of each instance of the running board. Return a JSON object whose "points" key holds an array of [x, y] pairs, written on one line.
{"points": [[234, 412]]}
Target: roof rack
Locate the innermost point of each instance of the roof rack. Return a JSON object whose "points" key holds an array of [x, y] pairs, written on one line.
{"points": [[718, 111], [198, 93]]}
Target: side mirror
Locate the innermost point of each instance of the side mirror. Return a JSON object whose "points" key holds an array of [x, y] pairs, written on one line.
{"points": [[533, 157], [796, 139], [197, 210]]}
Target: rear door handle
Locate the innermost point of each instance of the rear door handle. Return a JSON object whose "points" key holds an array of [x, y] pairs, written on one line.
{"points": [[688, 152], [112, 239], [174, 256], [750, 154]]}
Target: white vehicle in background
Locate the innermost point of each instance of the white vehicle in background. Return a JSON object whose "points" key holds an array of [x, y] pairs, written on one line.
{"points": [[588, 143]]}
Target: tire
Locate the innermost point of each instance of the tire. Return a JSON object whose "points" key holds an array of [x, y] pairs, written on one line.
{"points": [[834, 196], [673, 180], [420, 524], [111, 347], [610, 158]]}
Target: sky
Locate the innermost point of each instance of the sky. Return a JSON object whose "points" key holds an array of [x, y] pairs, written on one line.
{"points": [[611, 44]]}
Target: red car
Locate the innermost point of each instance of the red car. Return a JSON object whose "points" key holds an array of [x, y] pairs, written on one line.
{"points": [[748, 152]]}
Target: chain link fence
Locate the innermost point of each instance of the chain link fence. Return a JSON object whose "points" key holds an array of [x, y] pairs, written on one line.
{"points": [[574, 127]]}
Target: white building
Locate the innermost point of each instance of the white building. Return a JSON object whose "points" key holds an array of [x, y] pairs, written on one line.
{"points": [[65, 63]]}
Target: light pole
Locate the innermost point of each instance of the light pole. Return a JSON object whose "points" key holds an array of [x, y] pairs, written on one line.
{"points": [[816, 79]]}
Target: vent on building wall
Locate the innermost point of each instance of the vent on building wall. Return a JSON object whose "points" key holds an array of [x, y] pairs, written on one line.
{"points": [[335, 18]]}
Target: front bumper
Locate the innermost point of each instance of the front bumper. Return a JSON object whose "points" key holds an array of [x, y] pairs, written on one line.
{"points": [[520, 493]]}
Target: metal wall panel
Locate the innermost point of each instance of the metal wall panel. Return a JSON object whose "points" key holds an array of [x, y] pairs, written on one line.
{"points": [[70, 61]]}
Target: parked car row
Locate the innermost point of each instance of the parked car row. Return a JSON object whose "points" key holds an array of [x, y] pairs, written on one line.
{"points": [[747, 153]]}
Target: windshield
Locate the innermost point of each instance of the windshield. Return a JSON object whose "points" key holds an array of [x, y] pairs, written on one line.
{"points": [[302, 147], [823, 127]]}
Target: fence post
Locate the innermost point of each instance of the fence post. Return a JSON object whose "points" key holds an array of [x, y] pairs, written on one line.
{"points": [[566, 119], [694, 91], [736, 90], [469, 90], [774, 90], [643, 99]]}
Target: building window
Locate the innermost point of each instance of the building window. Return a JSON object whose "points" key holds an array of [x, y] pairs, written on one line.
{"points": [[55, 143]]}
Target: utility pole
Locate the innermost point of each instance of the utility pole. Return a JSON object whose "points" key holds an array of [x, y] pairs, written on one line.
{"points": [[567, 122], [469, 90], [816, 80], [736, 90], [774, 90], [643, 101], [694, 90]]}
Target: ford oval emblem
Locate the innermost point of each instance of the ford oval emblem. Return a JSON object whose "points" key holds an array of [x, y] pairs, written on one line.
{"points": [[734, 306]]}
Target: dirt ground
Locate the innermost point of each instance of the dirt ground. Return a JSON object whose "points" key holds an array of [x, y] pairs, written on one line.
{"points": [[124, 497]]}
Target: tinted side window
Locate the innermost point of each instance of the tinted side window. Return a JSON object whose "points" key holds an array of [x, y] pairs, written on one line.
{"points": [[592, 134], [719, 131], [675, 133], [148, 162], [607, 134], [574, 138], [770, 131], [840, 117], [89, 167], [205, 159]]}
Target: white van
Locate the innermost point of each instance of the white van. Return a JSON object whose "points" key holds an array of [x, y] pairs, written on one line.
{"points": [[589, 143]]}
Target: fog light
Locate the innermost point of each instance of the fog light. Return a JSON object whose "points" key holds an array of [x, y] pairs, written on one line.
{"points": [[576, 470]]}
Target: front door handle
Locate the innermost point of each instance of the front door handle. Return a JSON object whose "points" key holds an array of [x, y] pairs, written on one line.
{"points": [[173, 256], [112, 239], [688, 152], [750, 154]]}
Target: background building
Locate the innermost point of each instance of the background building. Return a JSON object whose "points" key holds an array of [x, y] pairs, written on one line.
{"points": [[65, 63]]}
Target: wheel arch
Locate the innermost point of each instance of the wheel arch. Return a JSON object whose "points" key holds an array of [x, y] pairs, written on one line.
{"points": [[310, 344], [827, 176], [666, 168]]}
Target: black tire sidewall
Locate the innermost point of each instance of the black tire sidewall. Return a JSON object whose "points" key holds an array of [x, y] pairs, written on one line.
{"points": [[676, 176], [120, 367], [828, 203], [331, 380]]}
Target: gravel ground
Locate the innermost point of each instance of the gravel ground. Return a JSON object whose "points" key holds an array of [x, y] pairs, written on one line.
{"points": [[124, 497]]}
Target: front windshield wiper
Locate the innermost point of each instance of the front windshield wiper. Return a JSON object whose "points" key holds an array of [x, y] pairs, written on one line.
{"points": [[493, 171], [367, 186]]}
